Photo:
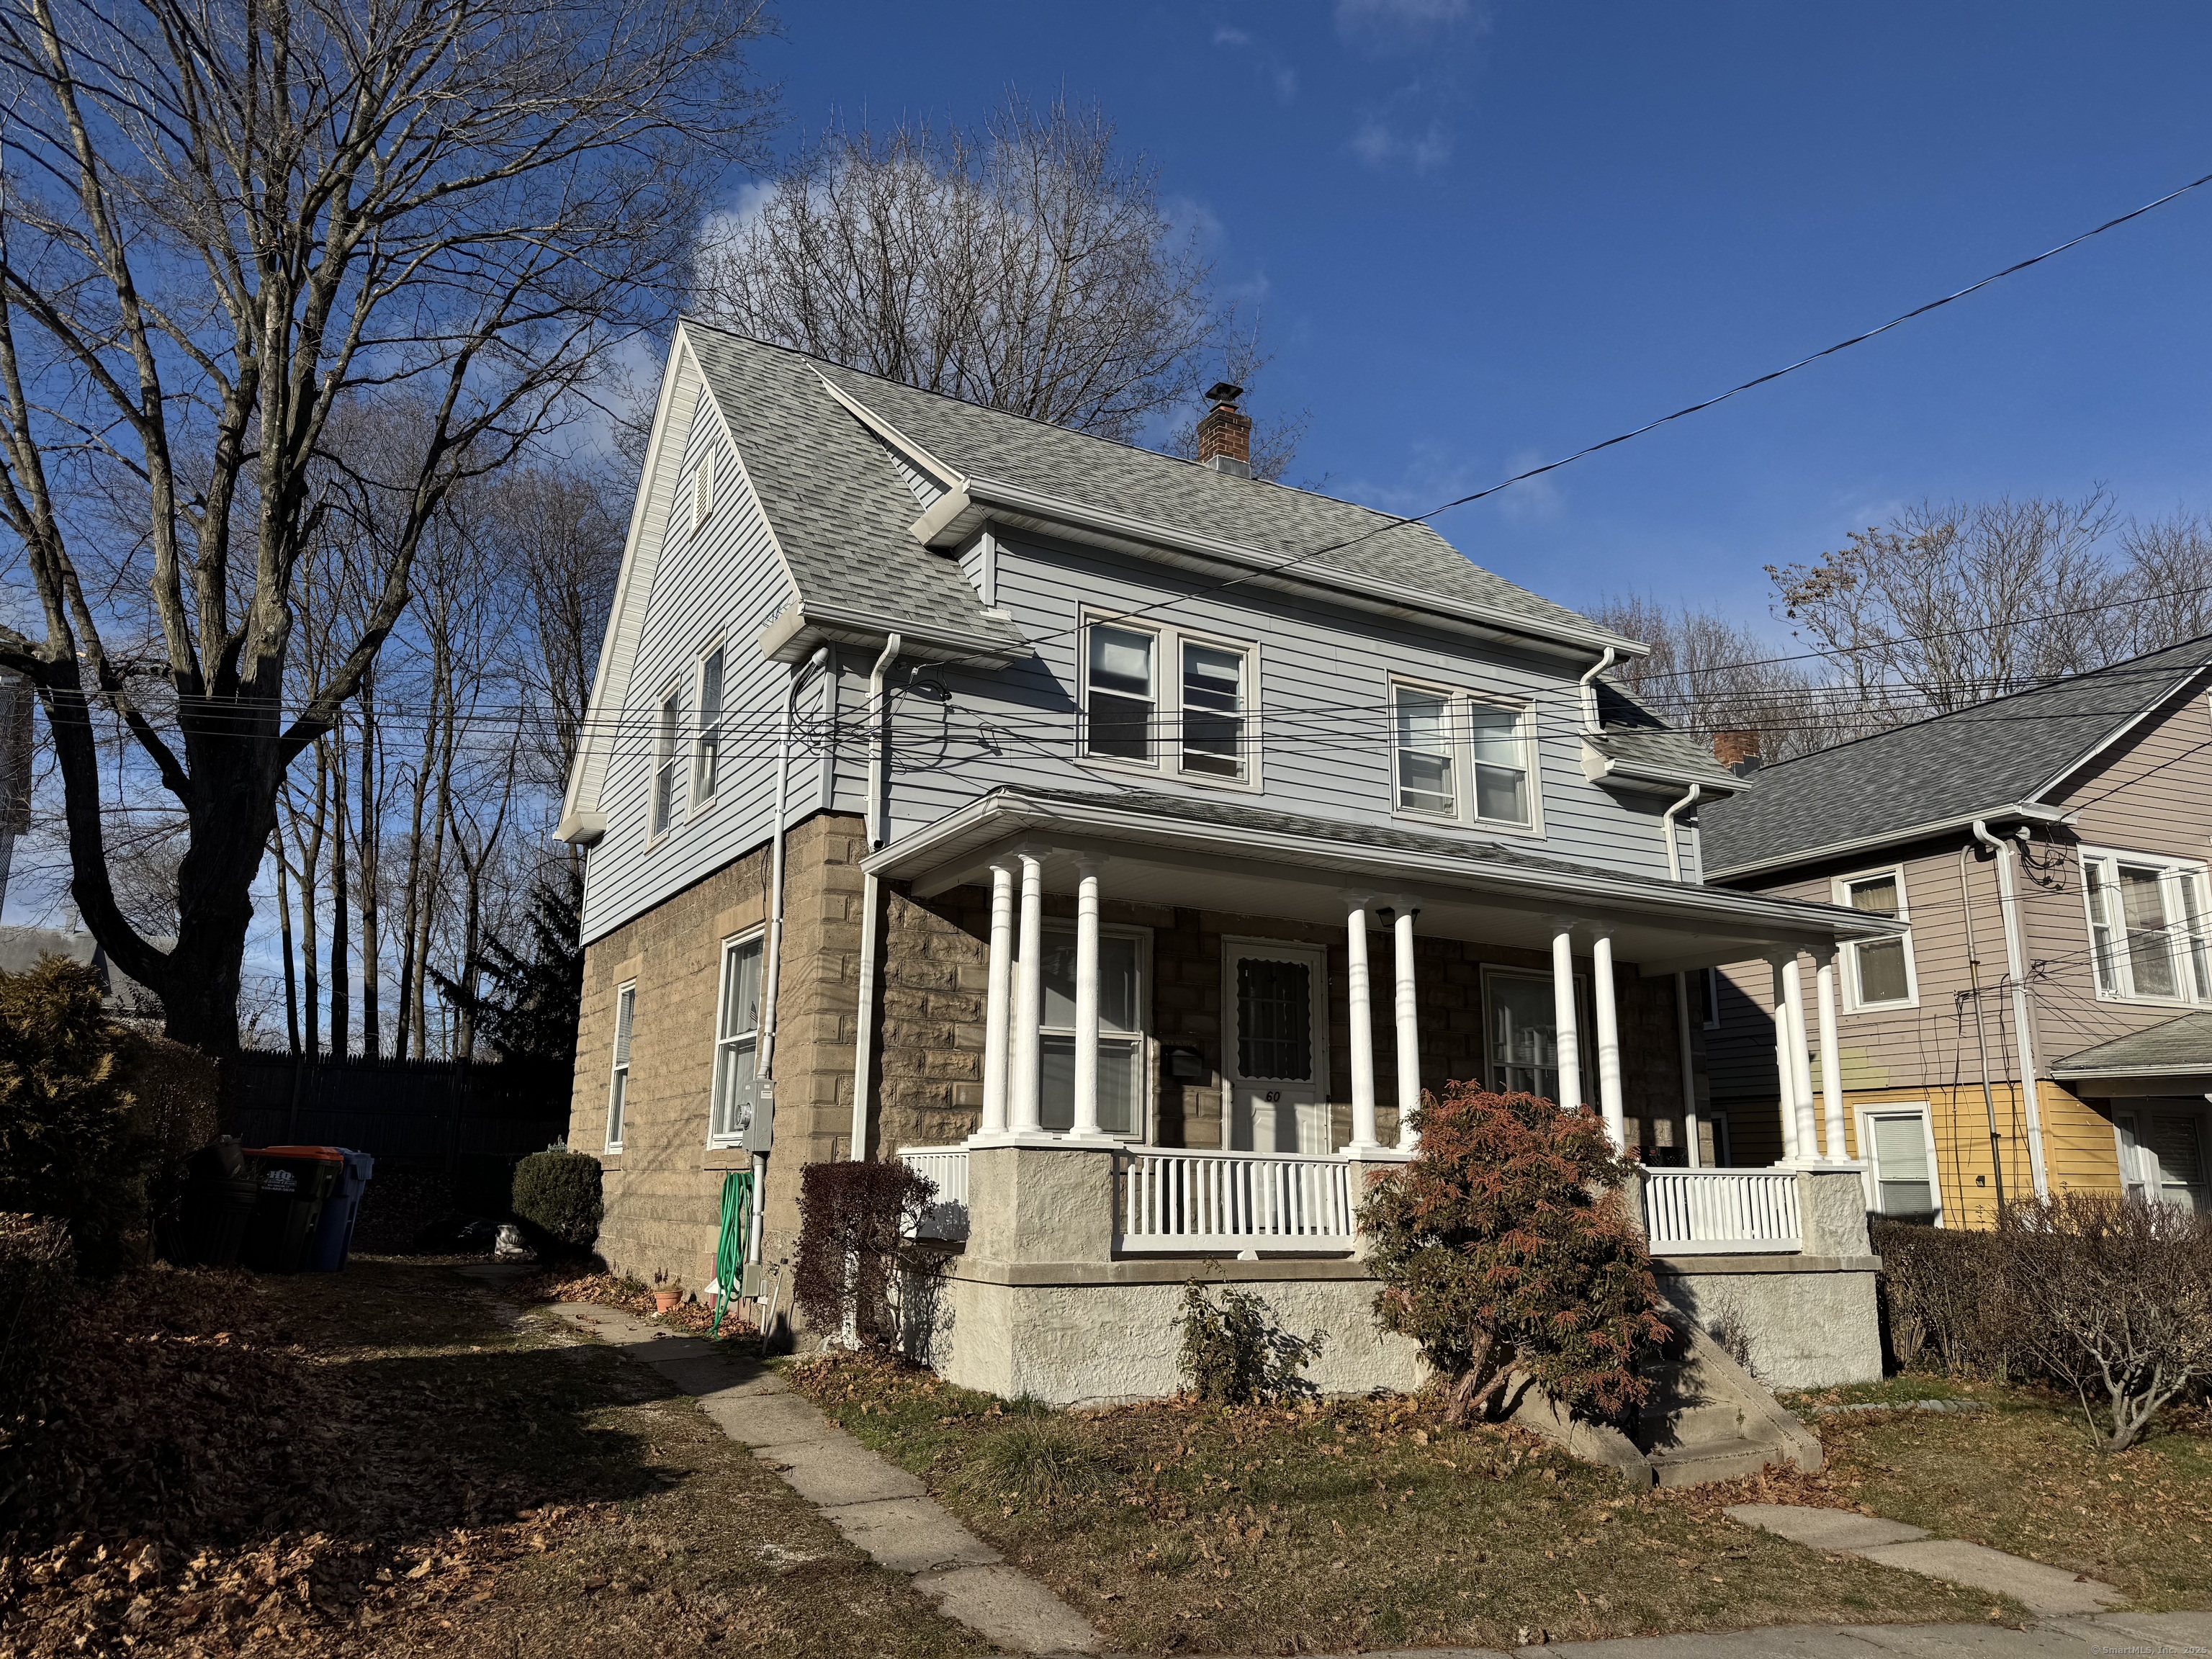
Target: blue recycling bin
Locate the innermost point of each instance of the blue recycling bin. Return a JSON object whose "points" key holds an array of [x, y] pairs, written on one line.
{"points": [[334, 1231]]}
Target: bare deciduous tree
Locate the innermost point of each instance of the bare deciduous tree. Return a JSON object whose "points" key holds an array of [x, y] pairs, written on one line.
{"points": [[1025, 267], [223, 220], [1275, 440], [1708, 674]]}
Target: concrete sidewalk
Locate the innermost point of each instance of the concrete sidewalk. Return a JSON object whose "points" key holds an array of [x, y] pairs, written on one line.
{"points": [[2111, 1633], [875, 1504]]}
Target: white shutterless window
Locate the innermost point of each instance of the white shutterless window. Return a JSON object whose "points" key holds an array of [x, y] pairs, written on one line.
{"points": [[1442, 737], [618, 1082], [737, 1041], [1901, 1153], [1427, 779], [1497, 734], [1120, 1029], [1213, 710], [2147, 927], [707, 747], [1881, 974], [667, 762], [1122, 688]]}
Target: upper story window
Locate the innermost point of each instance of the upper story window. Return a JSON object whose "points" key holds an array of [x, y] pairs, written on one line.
{"points": [[1463, 757], [2147, 927], [1163, 699], [737, 1041], [666, 777], [1878, 973], [618, 1084], [706, 747]]}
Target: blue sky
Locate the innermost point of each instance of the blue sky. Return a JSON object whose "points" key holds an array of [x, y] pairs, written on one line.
{"points": [[1486, 235]]}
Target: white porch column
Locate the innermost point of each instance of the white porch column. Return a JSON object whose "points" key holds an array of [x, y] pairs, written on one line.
{"points": [[1361, 1023], [1784, 1070], [1608, 1041], [998, 1012], [1832, 1065], [1409, 1030], [1801, 1062], [1568, 1043], [1691, 1153], [1024, 1100], [1085, 1124]]}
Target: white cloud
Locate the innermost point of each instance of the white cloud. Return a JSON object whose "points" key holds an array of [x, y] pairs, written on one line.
{"points": [[1379, 144], [1226, 36], [1399, 24], [1286, 83]]}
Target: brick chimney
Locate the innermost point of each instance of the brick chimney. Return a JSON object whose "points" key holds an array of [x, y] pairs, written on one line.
{"points": [[1225, 435], [1738, 751]]}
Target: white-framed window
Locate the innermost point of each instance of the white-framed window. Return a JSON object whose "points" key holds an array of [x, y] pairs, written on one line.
{"points": [[2147, 927], [1461, 757], [667, 760], [1522, 1038], [2162, 1154], [1169, 699], [1124, 994], [737, 1041], [1878, 973], [707, 745], [1898, 1145], [618, 1082], [702, 492]]}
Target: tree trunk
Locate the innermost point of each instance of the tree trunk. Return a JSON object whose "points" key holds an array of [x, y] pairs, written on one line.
{"points": [[341, 992], [372, 1022], [291, 973]]}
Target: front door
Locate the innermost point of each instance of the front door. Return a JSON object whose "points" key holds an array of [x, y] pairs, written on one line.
{"points": [[1276, 1051]]}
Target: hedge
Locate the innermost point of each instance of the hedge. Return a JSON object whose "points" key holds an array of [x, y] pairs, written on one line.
{"points": [[556, 1202]]}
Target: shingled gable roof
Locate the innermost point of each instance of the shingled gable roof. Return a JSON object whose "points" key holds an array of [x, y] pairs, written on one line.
{"points": [[1991, 759]]}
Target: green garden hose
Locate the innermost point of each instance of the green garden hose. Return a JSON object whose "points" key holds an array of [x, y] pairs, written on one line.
{"points": [[730, 1254]]}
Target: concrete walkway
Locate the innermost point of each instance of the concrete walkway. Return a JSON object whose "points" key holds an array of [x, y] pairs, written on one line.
{"points": [[876, 1505], [2109, 1633]]}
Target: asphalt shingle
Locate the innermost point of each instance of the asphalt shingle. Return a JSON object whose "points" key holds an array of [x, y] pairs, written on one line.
{"points": [[2185, 1042]]}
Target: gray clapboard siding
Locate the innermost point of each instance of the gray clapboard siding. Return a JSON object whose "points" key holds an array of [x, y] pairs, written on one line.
{"points": [[723, 584]]}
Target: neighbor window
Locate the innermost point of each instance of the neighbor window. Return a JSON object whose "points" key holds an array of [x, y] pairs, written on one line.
{"points": [[2163, 1155], [1881, 973], [1441, 736], [618, 1086], [1121, 1031], [2147, 927], [706, 748], [666, 762], [1157, 695], [1902, 1164], [737, 1041]]}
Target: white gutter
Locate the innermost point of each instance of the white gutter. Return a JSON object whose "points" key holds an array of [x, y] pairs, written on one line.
{"points": [[863, 1045], [1589, 683], [2027, 812], [1682, 986], [1666, 820], [2015, 970]]}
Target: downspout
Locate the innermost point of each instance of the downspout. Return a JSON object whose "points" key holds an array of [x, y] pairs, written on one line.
{"points": [[1682, 986], [1981, 1030], [772, 969], [864, 1015], [2015, 970], [1589, 683]]}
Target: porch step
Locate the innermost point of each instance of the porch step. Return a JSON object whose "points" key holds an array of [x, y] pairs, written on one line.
{"points": [[1716, 1460]]}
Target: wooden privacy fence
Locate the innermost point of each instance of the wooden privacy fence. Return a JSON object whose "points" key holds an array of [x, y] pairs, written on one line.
{"points": [[416, 1110]]}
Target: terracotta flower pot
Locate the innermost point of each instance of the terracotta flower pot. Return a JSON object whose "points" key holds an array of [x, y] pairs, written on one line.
{"points": [[665, 1301]]}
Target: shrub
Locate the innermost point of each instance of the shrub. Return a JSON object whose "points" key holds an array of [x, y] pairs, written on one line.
{"points": [[556, 1202], [36, 1269], [2115, 1302], [1236, 1354], [65, 1147], [856, 1254], [1949, 1296], [1504, 1247]]}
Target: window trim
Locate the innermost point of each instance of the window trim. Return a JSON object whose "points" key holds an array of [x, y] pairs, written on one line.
{"points": [[1460, 702], [667, 757], [1141, 1131], [1870, 1171], [696, 802], [1167, 753], [620, 1065], [731, 945], [1585, 1021], [2173, 873], [1839, 894]]}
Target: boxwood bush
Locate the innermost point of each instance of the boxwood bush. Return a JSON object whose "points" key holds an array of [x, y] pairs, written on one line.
{"points": [[556, 1202]]}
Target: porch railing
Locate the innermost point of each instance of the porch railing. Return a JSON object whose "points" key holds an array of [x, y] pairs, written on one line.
{"points": [[1721, 1212], [944, 1168], [1174, 1201]]}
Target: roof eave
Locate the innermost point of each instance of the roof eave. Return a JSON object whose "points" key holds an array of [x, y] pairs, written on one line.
{"points": [[2028, 811], [793, 636]]}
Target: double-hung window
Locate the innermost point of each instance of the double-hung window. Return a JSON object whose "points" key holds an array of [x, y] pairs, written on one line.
{"points": [[618, 1084], [1121, 1031], [1901, 1162], [1159, 698], [706, 748], [1881, 971], [667, 778], [2147, 927], [1463, 757], [737, 1041]]}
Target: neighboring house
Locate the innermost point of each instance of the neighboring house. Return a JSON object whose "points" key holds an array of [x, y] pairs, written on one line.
{"points": [[22, 949], [1129, 842], [2037, 1022]]}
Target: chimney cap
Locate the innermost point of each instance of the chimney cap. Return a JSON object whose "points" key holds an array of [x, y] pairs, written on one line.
{"points": [[1221, 391]]}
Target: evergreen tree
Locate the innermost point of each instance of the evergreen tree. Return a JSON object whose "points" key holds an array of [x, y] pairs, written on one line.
{"points": [[526, 1006]]}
